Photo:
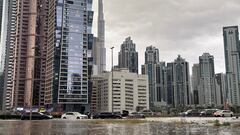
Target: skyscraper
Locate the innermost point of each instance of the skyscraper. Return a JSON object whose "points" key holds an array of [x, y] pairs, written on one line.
{"points": [[170, 86], [99, 50], [221, 93], [157, 76], [25, 47], [1, 13], [7, 60], [69, 54], [4, 12], [151, 55], [128, 56], [207, 90], [232, 62], [195, 82], [181, 82], [1, 47]]}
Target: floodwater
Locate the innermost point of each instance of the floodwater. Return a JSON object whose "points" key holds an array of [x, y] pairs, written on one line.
{"points": [[63, 127]]}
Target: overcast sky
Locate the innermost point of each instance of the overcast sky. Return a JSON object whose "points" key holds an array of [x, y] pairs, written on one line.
{"points": [[185, 27]]}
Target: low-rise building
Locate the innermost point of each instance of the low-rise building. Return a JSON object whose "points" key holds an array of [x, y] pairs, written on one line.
{"points": [[126, 91]]}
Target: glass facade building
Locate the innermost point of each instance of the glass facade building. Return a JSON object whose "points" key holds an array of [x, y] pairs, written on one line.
{"points": [[128, 56], [69, 56], [157, 76], [195, 83], [181, 82], [232, 63], [1, 46], [207, 93]]}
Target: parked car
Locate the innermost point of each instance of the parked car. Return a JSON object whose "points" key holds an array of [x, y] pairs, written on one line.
{"points": [[35, 116], [74, 115], [147, 112], [192, 112], [42, 110], [208, 112], [136, 115], [223, 113], [107, 115], [125, 113], [88, 114]]}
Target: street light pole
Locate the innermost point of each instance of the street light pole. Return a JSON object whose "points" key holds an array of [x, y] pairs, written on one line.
{"points": [[31, 98], [112, 76], [32, 85]]}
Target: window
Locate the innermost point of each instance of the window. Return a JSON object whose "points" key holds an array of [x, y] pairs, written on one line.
{"points": [[70, 2], [69, 114]]}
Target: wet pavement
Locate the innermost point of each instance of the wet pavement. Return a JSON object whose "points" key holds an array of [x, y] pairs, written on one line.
{"points": [[63, 127]]}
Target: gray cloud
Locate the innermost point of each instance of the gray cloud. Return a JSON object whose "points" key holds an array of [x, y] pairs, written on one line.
{"points": [[186, 27]]}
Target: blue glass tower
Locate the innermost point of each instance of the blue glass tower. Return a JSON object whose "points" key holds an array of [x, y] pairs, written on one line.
{"points": [[69, 54]]}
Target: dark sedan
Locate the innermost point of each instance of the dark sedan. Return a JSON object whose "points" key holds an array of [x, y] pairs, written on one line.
{"points": [[107, 115], [35, 116]]}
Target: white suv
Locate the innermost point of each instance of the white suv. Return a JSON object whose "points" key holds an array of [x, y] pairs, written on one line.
{"points": [[223, 113], [73, 116]]}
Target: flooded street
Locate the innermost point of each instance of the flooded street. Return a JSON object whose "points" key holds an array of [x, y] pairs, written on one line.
{"points": [[62, 127]]}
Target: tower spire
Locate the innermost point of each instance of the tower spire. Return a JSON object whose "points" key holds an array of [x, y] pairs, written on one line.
{"points": [[101, 23], [100, 47], [100, 10]]}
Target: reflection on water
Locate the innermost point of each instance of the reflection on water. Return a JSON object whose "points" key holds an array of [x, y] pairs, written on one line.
{"points": [[60, 127]]}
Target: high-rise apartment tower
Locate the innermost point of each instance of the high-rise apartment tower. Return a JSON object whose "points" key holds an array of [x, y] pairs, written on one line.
{"points": [[232, 62], [207, 89], [25, 53]]}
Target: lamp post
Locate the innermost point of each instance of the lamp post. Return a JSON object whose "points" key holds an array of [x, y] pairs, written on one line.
{"points": [[31, 98], [112, 76]]}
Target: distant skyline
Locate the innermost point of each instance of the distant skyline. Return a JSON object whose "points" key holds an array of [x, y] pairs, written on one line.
{"points": [[188, 28]]}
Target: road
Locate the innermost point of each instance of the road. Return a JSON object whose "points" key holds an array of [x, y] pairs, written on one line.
{"points": [[197, 120]]}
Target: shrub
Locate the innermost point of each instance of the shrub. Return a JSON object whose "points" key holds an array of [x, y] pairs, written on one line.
{"points": [[226, 124], [217, 123], [56, 116]]}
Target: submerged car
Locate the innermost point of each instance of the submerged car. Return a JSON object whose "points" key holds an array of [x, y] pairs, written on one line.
{"points": [[73, 116], [147, 112], [136, 115], [107, 115], [208, 112], [191, 113], [223, 113], [35, 116]]}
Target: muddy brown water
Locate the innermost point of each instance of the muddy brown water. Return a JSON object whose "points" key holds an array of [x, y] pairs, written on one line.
{"points": [[62, 127]]}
